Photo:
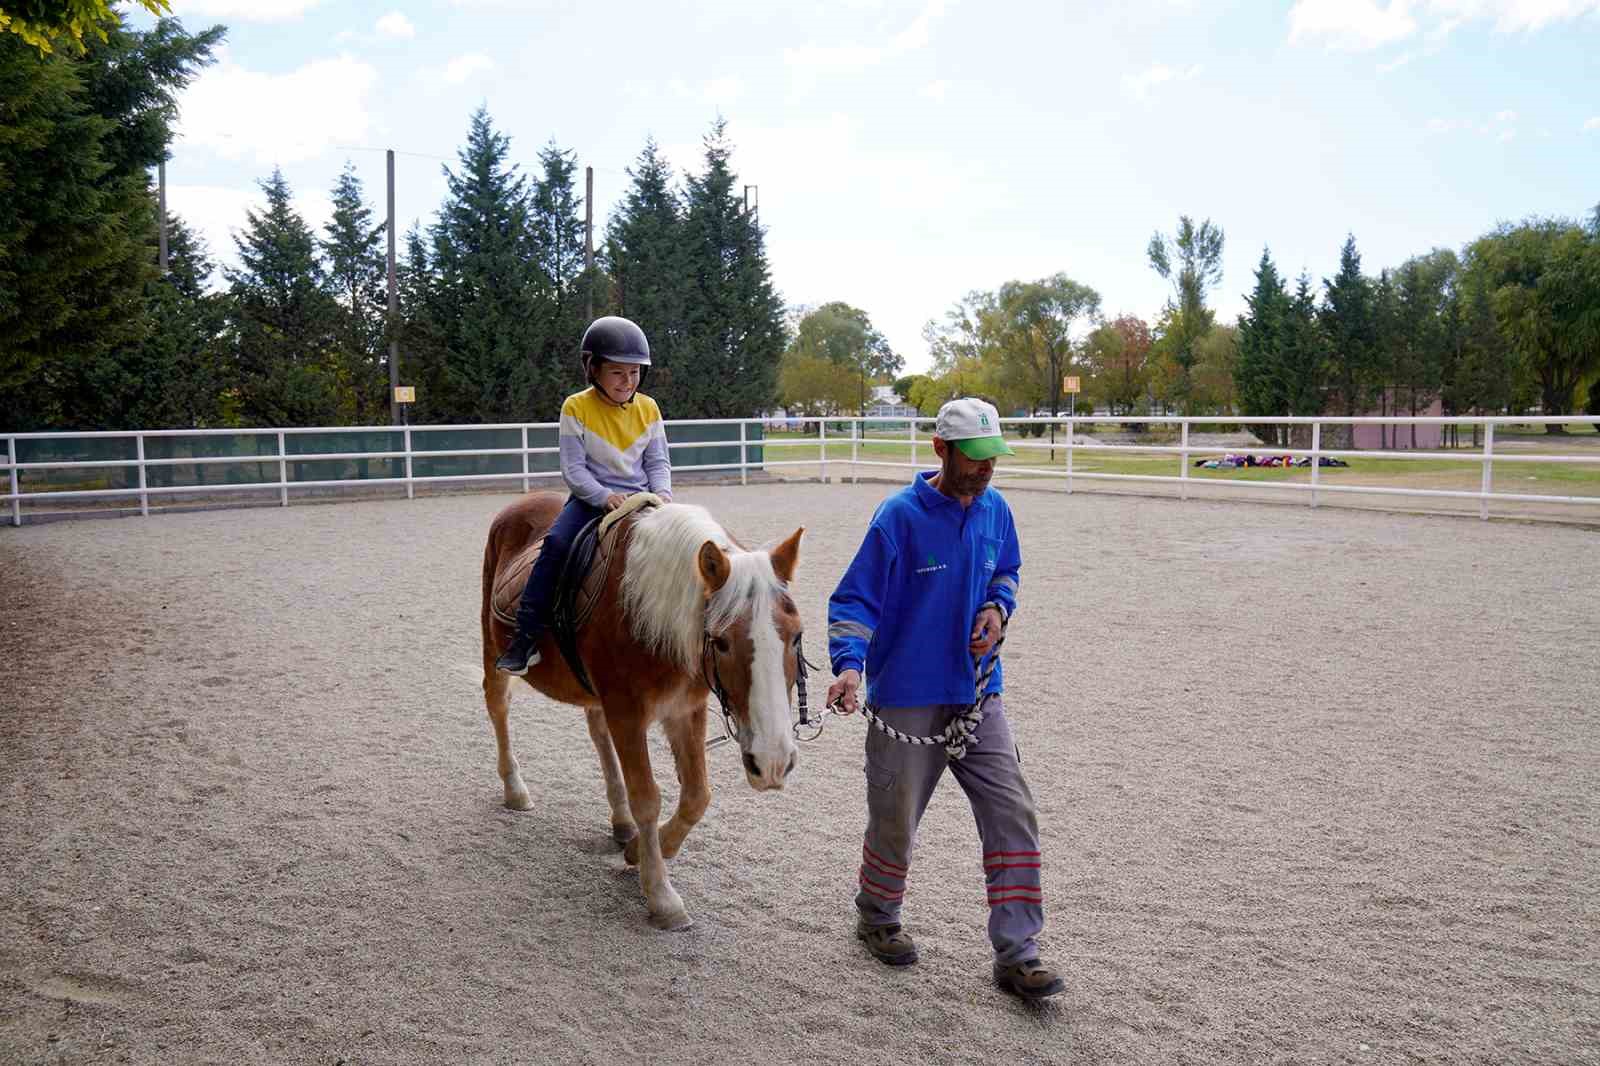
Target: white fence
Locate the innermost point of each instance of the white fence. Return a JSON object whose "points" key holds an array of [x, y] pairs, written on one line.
{"points": [[532, 463]]}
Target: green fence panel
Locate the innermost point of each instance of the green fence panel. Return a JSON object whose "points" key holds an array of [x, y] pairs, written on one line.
{"points": [[83, 449], [715, 451]]}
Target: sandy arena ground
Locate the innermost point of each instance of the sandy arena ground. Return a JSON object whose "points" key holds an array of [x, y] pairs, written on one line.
{"points": [[1316, 787]]}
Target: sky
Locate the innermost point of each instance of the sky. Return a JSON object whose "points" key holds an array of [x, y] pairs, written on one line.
{"points": [[907, 152]]}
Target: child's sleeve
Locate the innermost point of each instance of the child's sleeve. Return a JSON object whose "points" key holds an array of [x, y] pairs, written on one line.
{"points": [[658, 459]]}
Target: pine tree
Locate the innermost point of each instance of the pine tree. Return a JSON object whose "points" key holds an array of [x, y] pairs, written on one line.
{"points": [[77, 221], [1305, 353], [1348, 318], [556, 227], [735, 333], [483, 293], [1263, 335], [357, 274], [282, 321], [647, 259]]}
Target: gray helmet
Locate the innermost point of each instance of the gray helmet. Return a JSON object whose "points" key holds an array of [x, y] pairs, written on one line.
{"points": [[615, 339]]}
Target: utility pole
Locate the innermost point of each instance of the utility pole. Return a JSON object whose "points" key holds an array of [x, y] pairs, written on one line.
{"points": [[748, 207], [394, 309], [161, 171], [588, 238]]}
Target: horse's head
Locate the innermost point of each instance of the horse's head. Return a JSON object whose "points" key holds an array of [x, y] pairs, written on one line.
{"points": [[753, 652]]}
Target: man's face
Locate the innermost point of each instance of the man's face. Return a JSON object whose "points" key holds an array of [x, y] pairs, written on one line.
{"points": [[962, 476]]}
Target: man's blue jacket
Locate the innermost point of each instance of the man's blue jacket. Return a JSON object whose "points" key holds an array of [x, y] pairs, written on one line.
{"points": [[905, 607]]}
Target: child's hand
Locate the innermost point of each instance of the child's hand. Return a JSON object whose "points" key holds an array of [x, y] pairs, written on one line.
{"points": [[615, 500]]}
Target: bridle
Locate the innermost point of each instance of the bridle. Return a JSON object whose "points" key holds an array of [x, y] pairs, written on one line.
{"points": [[711, 674]]}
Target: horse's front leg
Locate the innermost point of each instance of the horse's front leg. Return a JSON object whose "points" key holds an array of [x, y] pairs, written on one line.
{"points": [[622, 828], [644, 799], [686, 732]]}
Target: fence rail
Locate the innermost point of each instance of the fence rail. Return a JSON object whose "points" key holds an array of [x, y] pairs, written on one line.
{"points": [[751, 449]]}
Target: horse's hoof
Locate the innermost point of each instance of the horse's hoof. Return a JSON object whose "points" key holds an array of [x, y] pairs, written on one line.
{"points": [[519, 801], [672, 923], [630, 852], [623, 833]]}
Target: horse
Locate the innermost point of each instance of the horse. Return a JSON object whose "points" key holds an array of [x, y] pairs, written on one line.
{"points": [[681, 609]]}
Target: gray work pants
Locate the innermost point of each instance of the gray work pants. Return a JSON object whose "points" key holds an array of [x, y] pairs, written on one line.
{"points": [[901, 778]]}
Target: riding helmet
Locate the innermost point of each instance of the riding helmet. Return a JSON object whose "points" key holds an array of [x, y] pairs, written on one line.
{"points": [[615, 339]]}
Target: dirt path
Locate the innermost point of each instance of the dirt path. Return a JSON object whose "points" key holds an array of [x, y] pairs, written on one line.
{"points": [[1316, 786]]}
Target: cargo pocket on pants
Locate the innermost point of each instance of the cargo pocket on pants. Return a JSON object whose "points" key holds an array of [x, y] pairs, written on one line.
{"points": [[878, 777]]}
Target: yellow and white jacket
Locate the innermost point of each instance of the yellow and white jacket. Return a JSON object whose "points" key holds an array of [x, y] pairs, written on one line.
{"points": [[606, 448]]}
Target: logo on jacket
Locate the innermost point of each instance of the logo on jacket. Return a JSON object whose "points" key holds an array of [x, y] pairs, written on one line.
{"points": [[933, 564]]}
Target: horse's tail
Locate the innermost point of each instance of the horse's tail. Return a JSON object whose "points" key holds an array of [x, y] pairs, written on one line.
{"points": [[491, 561]]}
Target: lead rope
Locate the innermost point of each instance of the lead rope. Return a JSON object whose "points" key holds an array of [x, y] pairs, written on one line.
{"points": [[961, 733]]}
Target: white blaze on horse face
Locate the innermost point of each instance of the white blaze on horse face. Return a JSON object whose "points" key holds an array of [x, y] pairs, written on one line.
{"points": [[771, 744]]}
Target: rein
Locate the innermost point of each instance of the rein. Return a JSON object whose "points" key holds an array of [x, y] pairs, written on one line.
{"points": [[712, 676]]}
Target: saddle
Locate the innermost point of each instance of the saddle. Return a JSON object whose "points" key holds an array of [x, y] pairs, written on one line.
{"points": [[579, 585]]}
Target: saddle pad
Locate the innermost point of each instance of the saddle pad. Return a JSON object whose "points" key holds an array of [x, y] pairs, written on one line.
{"points": [[508, 586]]}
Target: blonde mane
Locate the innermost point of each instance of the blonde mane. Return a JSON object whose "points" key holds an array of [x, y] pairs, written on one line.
{"points": [[663, 595]]}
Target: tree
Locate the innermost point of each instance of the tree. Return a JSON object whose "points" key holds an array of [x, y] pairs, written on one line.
{"points": [[77, 216], [282, 321], [845, 336], [1349, 322], [1117, 355], [734, 331], [646, 255], [1262, 382], [357, 275], [1418, 339], [45, 23], [1305, 353], [1215, 370], [556, 228], [1030, 327], [1192, 262], [483, 295], [814, 385], [1543, 280]]}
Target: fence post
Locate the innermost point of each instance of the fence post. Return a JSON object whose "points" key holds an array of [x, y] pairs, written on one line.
{"points": [[1488, 470], [283, 472], [1072, 426], [822, 442], [16, 501], [1316, 459], [411, 489], [525, 485], [1183, 457], [744, 454], [855, 446], [144, 494], [913, 427]]}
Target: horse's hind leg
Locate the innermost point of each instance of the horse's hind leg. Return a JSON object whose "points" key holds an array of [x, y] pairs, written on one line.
{"points": [[497, 695], [622, 828], [686, 732]]}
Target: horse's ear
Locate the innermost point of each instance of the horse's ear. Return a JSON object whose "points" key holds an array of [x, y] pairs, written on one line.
{"points": [[714, 566], [786, 556]]}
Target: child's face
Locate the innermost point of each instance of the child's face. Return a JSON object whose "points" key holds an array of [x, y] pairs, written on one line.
{"points": [[618, 381]]}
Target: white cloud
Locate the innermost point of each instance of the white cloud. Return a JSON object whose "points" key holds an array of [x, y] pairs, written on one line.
{"points": [[1396, 63], [1501, 127], [461, 68], [936, 90], [1354, 24], [1592, 124], [244, 10], [810, 63], [1142, 83], [1367, 24], [719, 92], [395, 24], [277, 118]]}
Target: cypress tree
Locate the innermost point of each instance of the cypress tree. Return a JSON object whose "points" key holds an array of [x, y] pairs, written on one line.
{"points": [[647, 258], [1349, 321], [1260, 374], [556, 231], [357, 277], [735, 332]]}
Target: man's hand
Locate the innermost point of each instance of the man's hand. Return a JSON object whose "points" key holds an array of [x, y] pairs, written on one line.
{"points": [[985, 632], [615, 500], [844, 689]]}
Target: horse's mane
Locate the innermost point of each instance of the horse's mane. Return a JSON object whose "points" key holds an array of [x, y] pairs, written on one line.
{"points": [[662, 593]]}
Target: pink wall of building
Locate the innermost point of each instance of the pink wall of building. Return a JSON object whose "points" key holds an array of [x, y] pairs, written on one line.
{"points": [[1370, 436]]}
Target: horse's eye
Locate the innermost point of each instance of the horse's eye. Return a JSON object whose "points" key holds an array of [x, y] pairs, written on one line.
{"points": [[721, 644]]}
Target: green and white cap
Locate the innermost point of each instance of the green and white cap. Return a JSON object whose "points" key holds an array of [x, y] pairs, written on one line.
{"points": [[973, 426]]}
